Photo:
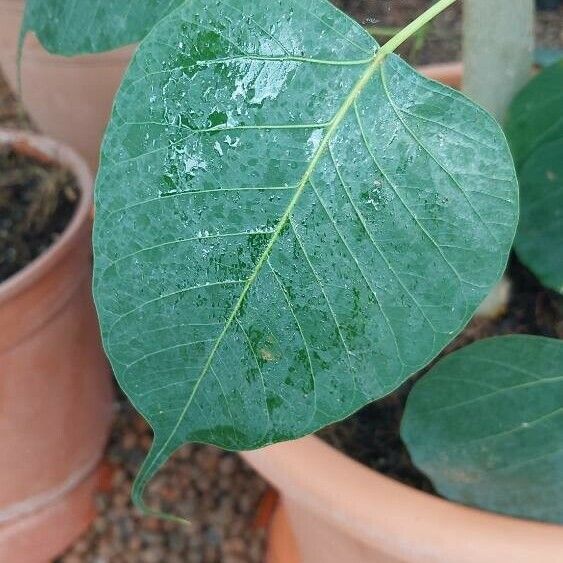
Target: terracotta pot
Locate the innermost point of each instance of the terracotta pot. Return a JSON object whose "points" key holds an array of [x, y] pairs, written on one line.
{"points": [[55, 385], [336, 510], [450, 74], [69, 99]]}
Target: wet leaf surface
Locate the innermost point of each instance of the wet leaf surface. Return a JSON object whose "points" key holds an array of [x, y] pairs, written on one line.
{"points": [[288, 224]]}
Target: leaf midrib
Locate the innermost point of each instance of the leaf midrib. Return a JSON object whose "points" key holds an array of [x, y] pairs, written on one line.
{"points": [[331, 129]]}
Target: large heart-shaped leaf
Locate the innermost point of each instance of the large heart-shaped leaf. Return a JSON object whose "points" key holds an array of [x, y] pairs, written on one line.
{"points": [[288, 222], [539, 242], [486, 425], [536, 114], [72, 27]]}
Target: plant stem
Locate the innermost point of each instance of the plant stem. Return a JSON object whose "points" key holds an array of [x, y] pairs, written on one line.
{"points": [[498, 42], [413, 27]]}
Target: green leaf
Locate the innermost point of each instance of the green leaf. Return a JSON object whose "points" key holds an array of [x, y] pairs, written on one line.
{"points": [[288, 224], [536, 114], [544, 57], [73, 27], [486, 425], [539, 242]]}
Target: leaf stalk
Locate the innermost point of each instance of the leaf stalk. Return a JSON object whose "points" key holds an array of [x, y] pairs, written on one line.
{"points": [[414, 27]]}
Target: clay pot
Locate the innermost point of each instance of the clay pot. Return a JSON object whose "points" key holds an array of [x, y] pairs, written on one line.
{"points": [[335, 510], [69, 99], [450, 74], [55, 385]]}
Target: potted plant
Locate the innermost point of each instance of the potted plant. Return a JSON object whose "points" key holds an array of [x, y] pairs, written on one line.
{"points": [[290, 222], [56, 391]]}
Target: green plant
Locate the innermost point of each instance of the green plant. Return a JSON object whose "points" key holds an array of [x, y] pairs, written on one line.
{"points": [[486, 423], [290, 221], [417, 42], [535, 131]]}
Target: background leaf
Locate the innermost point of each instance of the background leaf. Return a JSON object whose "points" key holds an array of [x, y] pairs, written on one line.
{"points": [[287, 224], [73, 27], [486, 425], [539, 242], [535, 132], [536, 114]]}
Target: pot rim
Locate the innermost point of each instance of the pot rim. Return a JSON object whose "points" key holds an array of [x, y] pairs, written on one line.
{"points": [[64, 155], [373, 507]]}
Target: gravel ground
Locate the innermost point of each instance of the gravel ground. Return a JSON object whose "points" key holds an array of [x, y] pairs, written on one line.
{"points": [[226, 503]]}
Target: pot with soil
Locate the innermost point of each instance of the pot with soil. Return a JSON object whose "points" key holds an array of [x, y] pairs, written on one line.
{"points": [[351, 493], [334, 509], [55, 386], [68, 99]]}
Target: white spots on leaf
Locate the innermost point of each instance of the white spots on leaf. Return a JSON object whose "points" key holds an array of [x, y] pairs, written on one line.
{"points": [[187, 160], [217, 147], [259, 81], [314, 141], [233, 143], [194, 163], [270, 81], [240, 89]]}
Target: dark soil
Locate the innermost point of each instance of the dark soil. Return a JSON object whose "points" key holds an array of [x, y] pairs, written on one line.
{"points": [[37, 201], [442, 41], [371, 436]]}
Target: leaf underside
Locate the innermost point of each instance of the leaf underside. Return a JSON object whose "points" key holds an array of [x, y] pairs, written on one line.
{"points": [[486, 425], [74, 27], [288, 225]]}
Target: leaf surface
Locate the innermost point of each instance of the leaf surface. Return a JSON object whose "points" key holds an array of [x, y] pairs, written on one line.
{"points": [[73, 27], [536, 114], [486, 425], [539, 241], [288, 224]]}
